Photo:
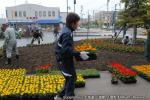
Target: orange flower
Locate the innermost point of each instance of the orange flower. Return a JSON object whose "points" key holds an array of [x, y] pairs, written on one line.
{"points": [[85, 47]]}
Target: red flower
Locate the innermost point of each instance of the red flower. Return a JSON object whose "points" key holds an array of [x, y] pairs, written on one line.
{"points": [[122, 69], [43, 67]]}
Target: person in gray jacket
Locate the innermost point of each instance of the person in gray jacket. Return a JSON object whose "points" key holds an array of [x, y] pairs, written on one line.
{"points": [[10, 43]]}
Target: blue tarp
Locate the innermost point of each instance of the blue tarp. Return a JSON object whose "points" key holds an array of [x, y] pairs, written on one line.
{"points": [[48, 21], [56, 21], [21, 22]]}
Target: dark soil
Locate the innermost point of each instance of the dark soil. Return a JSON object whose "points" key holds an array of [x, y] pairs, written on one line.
{"points": [[44, 54]]}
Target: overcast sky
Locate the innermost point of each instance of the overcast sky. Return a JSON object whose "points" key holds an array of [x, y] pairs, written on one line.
{"points": [[87, 5]]}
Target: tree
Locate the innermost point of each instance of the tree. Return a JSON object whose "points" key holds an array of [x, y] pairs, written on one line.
{"points": [[147, 27], [134, 14], [137, 14]]}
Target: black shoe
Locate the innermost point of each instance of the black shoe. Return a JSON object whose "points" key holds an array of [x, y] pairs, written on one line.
{"points": [[17, 60], [8, 62], [17, 57]]}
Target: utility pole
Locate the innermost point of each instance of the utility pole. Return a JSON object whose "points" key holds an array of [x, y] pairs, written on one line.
{"points": [[94, 19], [74, 6], [81, 15], [67, 7], [93, 15], [114, 18], [88, 25], [108, 5], [108, 13], [100, 19], [120, 5], [15, 13]]}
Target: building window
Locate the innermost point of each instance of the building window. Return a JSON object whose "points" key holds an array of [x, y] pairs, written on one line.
{"points": [[15, 13], [40, 13], [44, 13], [53, 13], [36, 13], [20, 14], [24, 13], [49, 13]]}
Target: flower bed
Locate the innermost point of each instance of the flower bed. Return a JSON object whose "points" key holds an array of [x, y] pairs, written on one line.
{"points": [[85, 47], [125, 74], [42, 69], [28, 97], [11, 72], [143, 71], [109, 45], [87, 73], [80, 81], [15, 83], [35, 45], [88, 48]]}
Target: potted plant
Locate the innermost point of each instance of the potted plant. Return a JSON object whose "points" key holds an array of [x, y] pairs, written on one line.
{"points": [[114, 79], [87, 48]]}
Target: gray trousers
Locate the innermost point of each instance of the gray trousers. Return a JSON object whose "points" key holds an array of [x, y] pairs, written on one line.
{"points": [[11, 47]]}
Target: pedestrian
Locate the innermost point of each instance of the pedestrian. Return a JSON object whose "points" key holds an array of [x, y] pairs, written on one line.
{"points": [[115, 35], [64, 56], [2, 31], [56, 31], [10, 43], [125, 40], [130, 41], [37, 35]]}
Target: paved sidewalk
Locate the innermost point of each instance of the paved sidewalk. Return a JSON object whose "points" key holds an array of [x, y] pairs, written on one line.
{"points": [[102, 86]]}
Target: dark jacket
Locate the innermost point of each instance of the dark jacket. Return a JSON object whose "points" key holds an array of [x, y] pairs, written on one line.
{"points": [[37, 34], [56, 32], [65, 47]]}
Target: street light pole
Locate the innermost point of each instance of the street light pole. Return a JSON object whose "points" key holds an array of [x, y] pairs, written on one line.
{"points": [[114, 18], [108, 5], [74, 6], [81, 15], [67, 7], [88, 24], [93, 15]]}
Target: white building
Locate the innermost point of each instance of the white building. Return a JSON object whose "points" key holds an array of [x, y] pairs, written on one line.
{"points": [[32, 13], [104, 17], [63, 16]]}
